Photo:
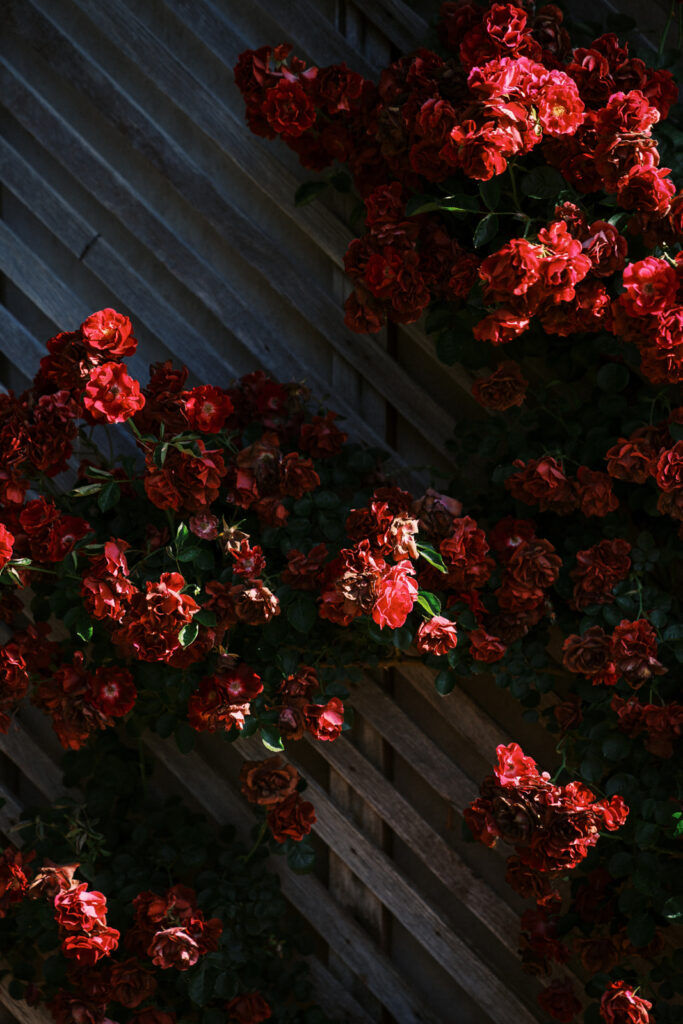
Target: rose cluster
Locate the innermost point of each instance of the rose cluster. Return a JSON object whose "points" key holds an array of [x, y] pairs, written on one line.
{"points": [[274, 785]]}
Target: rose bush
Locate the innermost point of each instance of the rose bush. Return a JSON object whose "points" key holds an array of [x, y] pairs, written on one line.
{"points": [[516, 190], [200, 923]]}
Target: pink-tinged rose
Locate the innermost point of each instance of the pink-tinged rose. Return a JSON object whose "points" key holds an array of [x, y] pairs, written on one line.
{"points": [[437, 635], [248, 1008], [396, 593], [173, 947], [620, 1005], [79, 910]]}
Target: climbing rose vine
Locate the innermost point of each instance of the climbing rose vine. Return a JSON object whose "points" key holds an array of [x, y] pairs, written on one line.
{"points": [[513, 188]]}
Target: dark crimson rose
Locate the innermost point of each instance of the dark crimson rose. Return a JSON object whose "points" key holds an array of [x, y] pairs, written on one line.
{"points": [[111, 395], [437, 635], [322, 437], [79, 910], [254, 603], [173, 947], [542, 482], [634, 650], [598, 953], [297, 476], [108, 332], [647, 189], [594, 492], [589, 654], [248, 1008], [630, 459], [268, 782], [131, 983], [485, 647], [6, 545], [292, 818], [502, 389], [668, 471], [620, 1005], [67, 1008], [559, 1000], [288, 109], [605, 247], [597, 571]]}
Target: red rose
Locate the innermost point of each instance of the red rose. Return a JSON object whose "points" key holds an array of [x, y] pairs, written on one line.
{"points": [[620, 1005], [558, 104], [647, 189], [325, 721], [542, 482], [78, 910], [173, 947], [297, 476], [268, 782], [605, 247], [6, 545], [288, 109], [109, 332], [437, 635], [502, 389], [207, 408], [86, 949], [111, 395], [322, 437], [501, 326], [248, 1008], [112, 690], [292, 818], [651, 286]]}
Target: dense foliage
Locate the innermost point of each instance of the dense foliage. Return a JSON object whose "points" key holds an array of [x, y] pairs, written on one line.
{"points": [[135, 909], [514, 191]]}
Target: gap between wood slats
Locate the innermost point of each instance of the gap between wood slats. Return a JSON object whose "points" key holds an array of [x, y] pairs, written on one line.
{"points": [[186, 90], [423, 840], [307, 894], [414, 913], [256, 249], [20, 1009]]}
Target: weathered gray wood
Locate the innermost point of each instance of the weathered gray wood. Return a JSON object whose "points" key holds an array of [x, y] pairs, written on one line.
{"points": [[398, 22], [429, 846], [35, 764], [416, 915], [459, 710], [443, 775], [254, 247], [18, 344], [306, 893], [19, 1008]]}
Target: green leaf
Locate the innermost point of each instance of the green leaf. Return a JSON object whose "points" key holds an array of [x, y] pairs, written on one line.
{"points": [[302, 613], [159, 454], [673, 632], [309, 192], [188, 634], [445, 682], [613, 377], [165, 724], [421, 204], [616, 746], [109, 496], [429, 602], [485, 231], [205, 617], [620, 865], [676, 431], [460, 203], [83, 492], [431, 555], [542, 183], [271, 738], [673, 908], [300, 855], [200, 985]]}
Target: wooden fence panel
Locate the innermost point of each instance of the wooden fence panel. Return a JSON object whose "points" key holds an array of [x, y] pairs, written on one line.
{"points": [[129, 179]]}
